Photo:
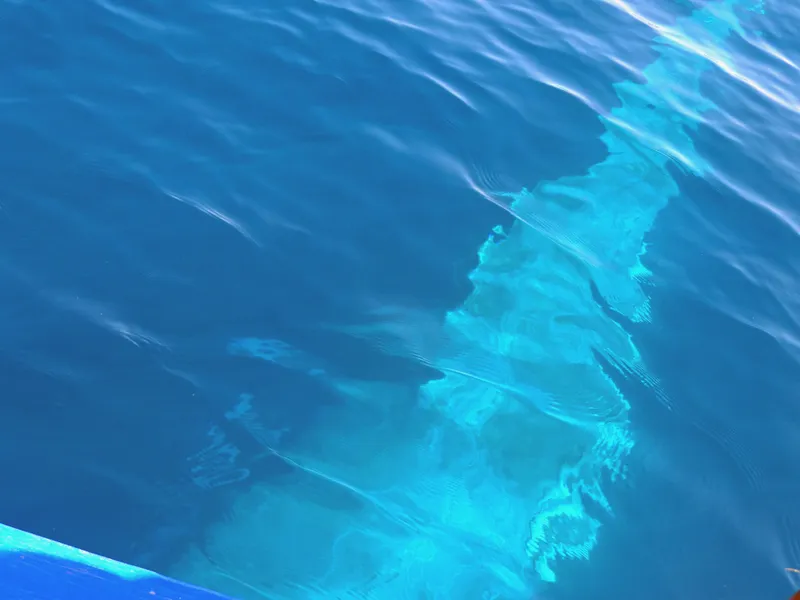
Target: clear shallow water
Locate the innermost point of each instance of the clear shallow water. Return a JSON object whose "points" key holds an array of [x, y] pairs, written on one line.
{"points": [[180, 181]]}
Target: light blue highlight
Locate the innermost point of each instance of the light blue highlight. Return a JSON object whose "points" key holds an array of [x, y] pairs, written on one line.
{"points": [[277, 352]]}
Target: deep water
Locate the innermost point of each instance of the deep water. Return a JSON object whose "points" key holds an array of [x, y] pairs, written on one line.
{"points": [[181, 181]]}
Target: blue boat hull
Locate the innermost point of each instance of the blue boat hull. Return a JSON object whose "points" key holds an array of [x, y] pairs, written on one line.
{"points": [[35, 568]]}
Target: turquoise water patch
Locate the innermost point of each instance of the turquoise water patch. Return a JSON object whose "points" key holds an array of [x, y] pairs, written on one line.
{"points": [[476, 484]]}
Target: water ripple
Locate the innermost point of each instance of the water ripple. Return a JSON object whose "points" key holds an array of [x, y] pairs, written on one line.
{"points": [[181, 174]]}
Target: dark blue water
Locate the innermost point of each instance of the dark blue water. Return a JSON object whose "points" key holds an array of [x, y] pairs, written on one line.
{"points": [[177, 176]]}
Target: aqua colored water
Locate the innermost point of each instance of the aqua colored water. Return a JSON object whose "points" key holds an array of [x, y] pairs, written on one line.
{"points": [[361, 299]]}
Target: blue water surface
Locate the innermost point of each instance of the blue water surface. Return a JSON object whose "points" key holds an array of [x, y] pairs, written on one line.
{"points": [[205, 207]]}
